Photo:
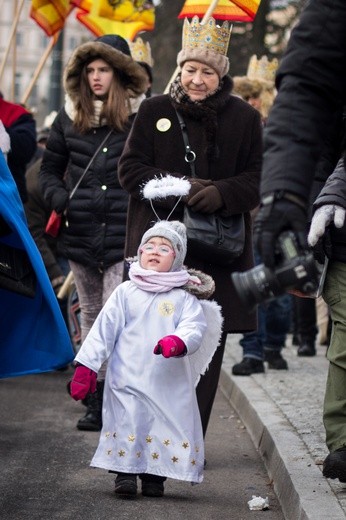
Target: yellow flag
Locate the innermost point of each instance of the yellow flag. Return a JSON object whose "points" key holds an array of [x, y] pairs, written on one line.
{"points": [[125, 17], [50, 15]]}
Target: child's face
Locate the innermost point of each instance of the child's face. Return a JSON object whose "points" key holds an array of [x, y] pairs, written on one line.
{"points": [[157, 254]]}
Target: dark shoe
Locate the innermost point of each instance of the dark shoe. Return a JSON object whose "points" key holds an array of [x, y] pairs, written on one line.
{"points": [[247, 367], [306, 349], [275, 360], [334, 465], [92, 420], [152, 489], [126, 485]]}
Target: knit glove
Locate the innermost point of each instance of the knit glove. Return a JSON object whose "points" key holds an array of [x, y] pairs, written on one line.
{"points": [[83, 383], [207, 200], [323, 216], [170, 346]]}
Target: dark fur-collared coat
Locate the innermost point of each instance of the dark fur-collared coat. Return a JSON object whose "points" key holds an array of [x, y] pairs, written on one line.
{"points": [[228, 150]]}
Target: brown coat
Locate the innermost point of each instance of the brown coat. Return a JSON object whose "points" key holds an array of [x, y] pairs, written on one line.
{"points": [[150, 152]]}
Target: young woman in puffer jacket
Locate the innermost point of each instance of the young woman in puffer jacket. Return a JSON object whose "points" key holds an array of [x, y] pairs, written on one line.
{"points": [[104, 87]]}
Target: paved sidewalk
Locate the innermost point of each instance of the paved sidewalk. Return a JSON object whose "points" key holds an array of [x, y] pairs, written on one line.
{"points": [[282, 411]]}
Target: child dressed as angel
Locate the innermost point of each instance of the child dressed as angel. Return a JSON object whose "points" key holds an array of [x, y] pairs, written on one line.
{"points": [[158, 333]]}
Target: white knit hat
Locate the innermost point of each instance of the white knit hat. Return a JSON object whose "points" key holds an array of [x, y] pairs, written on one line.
{"points": [[175, 232]]}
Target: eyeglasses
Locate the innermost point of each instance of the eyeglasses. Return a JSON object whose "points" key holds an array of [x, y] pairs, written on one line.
{"points": [[162, 249]]}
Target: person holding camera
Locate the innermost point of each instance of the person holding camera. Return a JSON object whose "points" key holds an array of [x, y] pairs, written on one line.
{"points": [[311, 83]]}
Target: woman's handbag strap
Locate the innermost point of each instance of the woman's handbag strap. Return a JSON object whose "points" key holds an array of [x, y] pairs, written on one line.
{"points": [[190, 155], [89, 164]]}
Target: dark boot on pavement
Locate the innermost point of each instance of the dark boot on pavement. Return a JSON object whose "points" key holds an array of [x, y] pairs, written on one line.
{"points": [[334, 465], [126, 485], [306, 349], [275, 360], [92, 420], [248, 366]]}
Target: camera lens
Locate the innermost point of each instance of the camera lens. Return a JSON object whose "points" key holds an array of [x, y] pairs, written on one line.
{"points": [[255, 286]]}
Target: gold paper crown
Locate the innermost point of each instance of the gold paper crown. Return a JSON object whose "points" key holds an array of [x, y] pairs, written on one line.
{"points": [[141, 51], [208, 36], [263, 69]]}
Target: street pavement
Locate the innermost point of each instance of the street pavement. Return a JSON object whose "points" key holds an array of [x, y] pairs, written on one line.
{"points": [[45, 472], [282, 411]]}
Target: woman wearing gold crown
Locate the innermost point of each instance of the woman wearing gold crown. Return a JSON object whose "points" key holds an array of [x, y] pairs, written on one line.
{"points": [[225, 134]]}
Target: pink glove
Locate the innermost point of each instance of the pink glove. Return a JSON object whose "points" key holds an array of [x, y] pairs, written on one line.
{"points": [[170, 346], [83, 383]]}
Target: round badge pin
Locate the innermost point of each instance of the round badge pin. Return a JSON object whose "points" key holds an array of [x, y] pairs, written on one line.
{"points": [[163, 124]]}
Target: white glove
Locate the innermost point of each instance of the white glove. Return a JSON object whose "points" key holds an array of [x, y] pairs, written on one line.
{"points": [[323, 216], [5, 141]]}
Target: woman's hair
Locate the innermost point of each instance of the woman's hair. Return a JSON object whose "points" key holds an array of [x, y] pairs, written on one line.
{"points": [[115, 108]]}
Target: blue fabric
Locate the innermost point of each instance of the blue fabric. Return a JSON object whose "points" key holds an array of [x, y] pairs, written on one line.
{"points": [[33, 334]]}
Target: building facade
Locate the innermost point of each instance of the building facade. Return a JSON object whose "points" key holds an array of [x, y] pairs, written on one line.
{"points": [[21, 56]]}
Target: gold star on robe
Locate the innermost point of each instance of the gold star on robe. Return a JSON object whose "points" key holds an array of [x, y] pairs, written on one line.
{"points": [[185, 445], [148, 439], [131, 438], [121, 453], [155, 456], [174, 459], [166, 442]]}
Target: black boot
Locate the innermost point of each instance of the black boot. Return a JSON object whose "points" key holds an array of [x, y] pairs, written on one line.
{"points": [[248, 366], [334, 465], [92, 420], [306, 349], [275, 359]]}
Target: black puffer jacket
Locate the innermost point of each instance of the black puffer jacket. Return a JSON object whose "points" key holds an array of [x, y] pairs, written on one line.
{"points": [[311, 83], [93, 231]]}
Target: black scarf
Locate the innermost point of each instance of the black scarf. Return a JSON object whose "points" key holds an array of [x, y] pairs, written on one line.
{"points": [[205, 111]]}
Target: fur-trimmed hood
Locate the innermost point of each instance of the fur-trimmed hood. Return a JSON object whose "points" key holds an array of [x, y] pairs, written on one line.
{"points": [[132, 74]]}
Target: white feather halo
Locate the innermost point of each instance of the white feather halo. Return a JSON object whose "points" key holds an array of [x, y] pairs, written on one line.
{"points": [[166, 186]]}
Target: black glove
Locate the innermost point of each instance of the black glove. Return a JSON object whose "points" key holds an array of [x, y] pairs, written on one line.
{"points": [[207, 200], [279, 212]]}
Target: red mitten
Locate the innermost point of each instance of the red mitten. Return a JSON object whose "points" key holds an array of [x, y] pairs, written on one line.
{"points": [[83, 383], [170, 346]]}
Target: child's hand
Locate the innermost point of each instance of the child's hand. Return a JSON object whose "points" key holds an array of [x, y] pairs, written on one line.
{"points": [[83, 383], [170, 346]]}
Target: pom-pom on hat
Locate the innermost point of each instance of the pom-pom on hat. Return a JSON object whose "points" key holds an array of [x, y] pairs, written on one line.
{"points": [[175, 232]]}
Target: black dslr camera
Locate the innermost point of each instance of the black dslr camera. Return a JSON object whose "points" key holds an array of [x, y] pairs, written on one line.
{"points": [[295, 269]]}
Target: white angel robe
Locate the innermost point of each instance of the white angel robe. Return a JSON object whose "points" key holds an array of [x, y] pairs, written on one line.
{"points": [[151, 421]]}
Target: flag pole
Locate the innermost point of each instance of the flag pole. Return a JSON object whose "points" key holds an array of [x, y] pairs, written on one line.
{"points": [[39, 67], [12, 34], [206, 15]]}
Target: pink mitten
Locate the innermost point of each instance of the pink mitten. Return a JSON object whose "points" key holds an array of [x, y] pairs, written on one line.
{"points": [[83, 383], [170, 346]]}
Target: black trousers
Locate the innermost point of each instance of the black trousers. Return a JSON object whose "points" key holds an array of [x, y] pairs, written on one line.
{"points": [[305, 319], [207, 386]]}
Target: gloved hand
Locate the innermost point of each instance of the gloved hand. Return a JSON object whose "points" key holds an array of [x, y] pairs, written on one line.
{"points": [[323, 216], [272, 219], [207, 200], [170, 346], [83, 383]]}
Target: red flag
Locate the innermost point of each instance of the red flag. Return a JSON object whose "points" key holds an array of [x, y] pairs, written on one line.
{"points": [[50, 15]]}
